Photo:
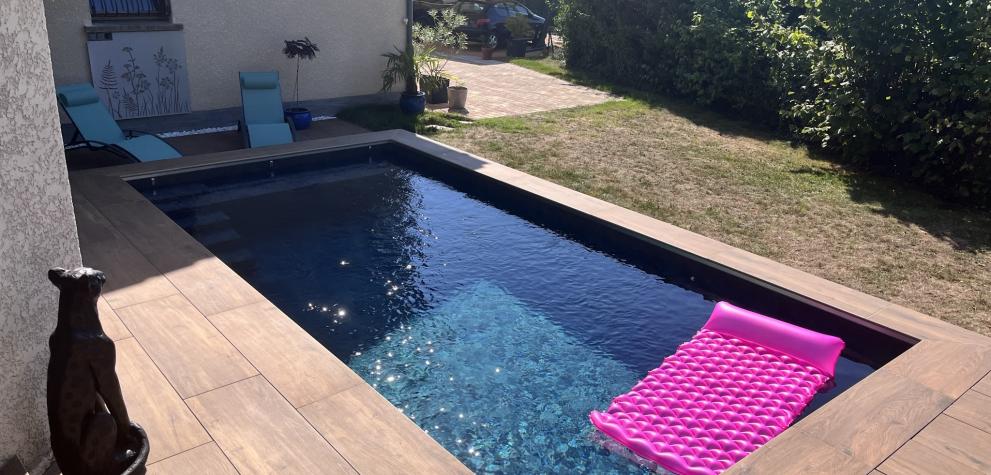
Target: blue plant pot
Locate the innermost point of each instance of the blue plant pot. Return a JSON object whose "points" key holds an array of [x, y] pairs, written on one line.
{"points": [[301, 117], [413, 103]]}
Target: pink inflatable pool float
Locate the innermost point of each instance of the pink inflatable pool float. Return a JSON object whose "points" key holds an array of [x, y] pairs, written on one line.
{"points": [[739, 382]]}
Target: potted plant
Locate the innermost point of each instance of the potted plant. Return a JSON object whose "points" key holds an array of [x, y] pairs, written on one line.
{"points": [[440, 35], [408, 66], [457, 96], [520, 34], [299, 50]]}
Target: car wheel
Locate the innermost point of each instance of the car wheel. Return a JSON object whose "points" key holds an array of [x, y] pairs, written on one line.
{"points": [[502, 39]]}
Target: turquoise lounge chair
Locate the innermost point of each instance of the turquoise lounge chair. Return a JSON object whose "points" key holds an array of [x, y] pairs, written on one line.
{"points": [[96, 128], [264, 121]]}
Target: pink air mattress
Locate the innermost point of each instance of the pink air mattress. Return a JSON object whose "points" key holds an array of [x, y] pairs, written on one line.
{"points": [[739, 382]]}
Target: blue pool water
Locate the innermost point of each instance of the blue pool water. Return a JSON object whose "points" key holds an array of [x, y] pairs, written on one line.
{"points": [[495, 334]]}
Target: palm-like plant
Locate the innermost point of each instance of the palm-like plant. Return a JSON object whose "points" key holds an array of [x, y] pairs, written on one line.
{"points": [[299, 50], [409, 66]]}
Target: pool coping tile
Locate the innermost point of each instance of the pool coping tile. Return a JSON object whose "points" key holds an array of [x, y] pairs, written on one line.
{"points": [[852, 434]]}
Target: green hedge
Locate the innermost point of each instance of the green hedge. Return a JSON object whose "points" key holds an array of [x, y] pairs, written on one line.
{"points": [[901, 86]]}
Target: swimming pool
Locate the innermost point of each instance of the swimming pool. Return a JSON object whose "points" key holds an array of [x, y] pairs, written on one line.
{"points": [[494, 320]]}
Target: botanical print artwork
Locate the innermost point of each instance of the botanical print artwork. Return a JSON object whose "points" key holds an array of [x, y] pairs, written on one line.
{"points": [[141, 74]]}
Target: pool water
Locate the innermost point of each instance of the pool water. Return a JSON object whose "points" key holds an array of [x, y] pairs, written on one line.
{"points": [[495, 334]]}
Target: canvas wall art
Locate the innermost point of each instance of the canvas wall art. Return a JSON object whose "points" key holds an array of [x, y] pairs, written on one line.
{"points": [[141, 74]]}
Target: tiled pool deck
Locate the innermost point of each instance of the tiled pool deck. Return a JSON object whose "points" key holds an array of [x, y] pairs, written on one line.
{"points": [[226, 383]]}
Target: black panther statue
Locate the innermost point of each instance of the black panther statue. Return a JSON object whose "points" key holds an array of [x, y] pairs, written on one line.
{"points": [[91, 432]]}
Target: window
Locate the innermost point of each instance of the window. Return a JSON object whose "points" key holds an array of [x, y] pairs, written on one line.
{"points": [[130, 9], [503, 10], [471, 9], [519, 9]]}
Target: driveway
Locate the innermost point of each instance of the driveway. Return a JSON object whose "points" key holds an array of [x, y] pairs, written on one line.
{"points": [[497, 88]]}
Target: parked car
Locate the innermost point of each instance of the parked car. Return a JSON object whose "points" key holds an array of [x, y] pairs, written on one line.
{"points": [[422, 9], [487, 20]]}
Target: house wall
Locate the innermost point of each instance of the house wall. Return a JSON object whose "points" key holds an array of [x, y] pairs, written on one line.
{"points": [[37, 228], [226, 36]]}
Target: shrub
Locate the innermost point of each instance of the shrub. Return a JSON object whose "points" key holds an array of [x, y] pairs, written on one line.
{"points": [[905, 86], [901, 86], [707, 50]]}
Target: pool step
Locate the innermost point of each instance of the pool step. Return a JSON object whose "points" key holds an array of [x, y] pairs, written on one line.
{"points": [[196, 221], [212, 229], [218, 238], [241, 260]]}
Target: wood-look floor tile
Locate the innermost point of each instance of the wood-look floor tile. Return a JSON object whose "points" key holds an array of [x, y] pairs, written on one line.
{"points": [[924, 327], [973, 408], [872, 419], [960, 365], [375, 437], [209, 284], [296, 364], [915, 458], [131, 278], [112, 326], [155, 405], [192, 354], [961, 442], [260, 432], [205, 459], [794, 452], [984, 386], [102, 190], [213, 287]]}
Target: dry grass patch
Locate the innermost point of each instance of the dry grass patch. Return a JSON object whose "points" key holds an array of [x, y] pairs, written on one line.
{"points": [[750, 190]]}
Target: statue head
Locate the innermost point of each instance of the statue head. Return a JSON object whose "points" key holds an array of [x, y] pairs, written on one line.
{"points": [[79, 289], [79, 281]]}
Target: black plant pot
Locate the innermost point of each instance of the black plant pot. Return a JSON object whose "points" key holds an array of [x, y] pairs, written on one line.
{"points": [[413, 103], [517, 48], [439, 94], [139, 451]]}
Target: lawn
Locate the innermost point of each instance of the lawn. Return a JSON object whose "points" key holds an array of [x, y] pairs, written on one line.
{"points": [[751, 189]]}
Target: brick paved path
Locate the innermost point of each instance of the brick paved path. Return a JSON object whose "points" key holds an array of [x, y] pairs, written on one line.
{"points": [[497, 89]]}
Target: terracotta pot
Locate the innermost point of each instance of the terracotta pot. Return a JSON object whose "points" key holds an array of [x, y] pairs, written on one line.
{"points": [[487, 52], [457, 98]]}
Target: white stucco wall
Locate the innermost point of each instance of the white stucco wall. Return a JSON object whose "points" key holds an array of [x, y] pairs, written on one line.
{"points": [[226, 36], [37, 228]]}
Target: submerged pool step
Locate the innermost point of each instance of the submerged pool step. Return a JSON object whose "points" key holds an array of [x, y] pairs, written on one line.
{"points": [[197, 221], [217, 238], [241, 260]]}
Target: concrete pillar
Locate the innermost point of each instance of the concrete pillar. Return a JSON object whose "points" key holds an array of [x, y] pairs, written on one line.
{"points": [[37, 228]]}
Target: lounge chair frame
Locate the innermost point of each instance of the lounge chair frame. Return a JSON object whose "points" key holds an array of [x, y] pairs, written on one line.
{"points": [[95, 145]]}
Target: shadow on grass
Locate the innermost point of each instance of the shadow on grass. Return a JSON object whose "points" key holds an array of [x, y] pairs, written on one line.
{"points": [[728, 123], [966, 228]]}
